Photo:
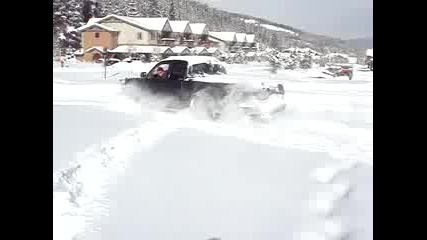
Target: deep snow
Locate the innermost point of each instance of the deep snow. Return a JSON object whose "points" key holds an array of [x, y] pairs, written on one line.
{"points": [[123, 170]]}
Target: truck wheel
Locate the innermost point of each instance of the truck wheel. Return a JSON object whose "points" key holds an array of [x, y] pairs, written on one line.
{"points": [[204, 106], [133, 90]]}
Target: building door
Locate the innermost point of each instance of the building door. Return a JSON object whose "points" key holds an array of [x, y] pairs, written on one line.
{"points": [[96, 57]]}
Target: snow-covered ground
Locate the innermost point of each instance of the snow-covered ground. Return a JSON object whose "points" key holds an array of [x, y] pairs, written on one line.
{"points": [[122, 170]]}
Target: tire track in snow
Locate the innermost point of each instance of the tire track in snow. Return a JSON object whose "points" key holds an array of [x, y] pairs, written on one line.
{"points": [[80, 192], [297, 138], [326, 201]]}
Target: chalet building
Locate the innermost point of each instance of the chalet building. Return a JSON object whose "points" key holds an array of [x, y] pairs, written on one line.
{"points": [[225, 41], [200, 34], [182, 33], [121, 35], [113, 31]]}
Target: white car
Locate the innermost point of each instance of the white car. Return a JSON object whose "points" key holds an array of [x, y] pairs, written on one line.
{"points": [[202, 84]]}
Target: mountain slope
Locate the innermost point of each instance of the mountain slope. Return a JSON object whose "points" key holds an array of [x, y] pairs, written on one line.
{"points": [[65, 15], [361, 43]]}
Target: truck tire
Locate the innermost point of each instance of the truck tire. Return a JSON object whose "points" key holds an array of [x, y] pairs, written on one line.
{"points": [[204, 106], [133, 89]]}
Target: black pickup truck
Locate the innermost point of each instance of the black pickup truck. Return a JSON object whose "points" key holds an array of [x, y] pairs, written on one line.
{"points": [[203, 85]]}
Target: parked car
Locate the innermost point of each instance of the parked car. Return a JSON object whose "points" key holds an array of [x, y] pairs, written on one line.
{"points": [[338, 70], [112, 61]]}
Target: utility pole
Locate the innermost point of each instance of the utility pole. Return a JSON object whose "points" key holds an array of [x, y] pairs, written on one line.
{"points": [[105, 63]]}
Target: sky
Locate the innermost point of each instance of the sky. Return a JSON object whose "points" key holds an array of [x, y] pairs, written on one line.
{"points": [[337, 18]]}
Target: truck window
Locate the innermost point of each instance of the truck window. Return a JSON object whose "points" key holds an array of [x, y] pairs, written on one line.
{"points": [[205, 68], [159, 72]]}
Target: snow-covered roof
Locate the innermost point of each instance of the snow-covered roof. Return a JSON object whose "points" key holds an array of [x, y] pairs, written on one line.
{"points": [[195, 59], [71, 29], [99, 48], [250, 38], [250, 21], [79, 52], [179, 26], [140, 49], [213, 50], [224, 36], [84, 27], [250, 54], [370, 52], [156, 24], [199, 50], [180, 49], [278, 29], [114, 59], [329, 55], [301, 50], [93, 20], [197, 28], [168, 39], [352, 60], [214, 40], [241, 37]]}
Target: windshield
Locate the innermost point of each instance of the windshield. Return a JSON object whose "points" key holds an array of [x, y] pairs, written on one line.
{"points": [[206, 69], [171, 70]]}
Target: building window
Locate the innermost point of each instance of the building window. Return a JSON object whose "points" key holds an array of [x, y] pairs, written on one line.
{"points": [[97, 35], [153, 36], [139, 36]]}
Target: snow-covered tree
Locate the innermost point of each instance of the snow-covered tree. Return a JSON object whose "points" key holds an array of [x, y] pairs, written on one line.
{"points": [[87, 10], [77, 12], [274, 41], [67, 16], [153, 8], [132, 9], [172, 14]]}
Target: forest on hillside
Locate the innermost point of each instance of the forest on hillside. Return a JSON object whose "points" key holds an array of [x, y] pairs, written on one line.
{"points": [[71, 14]]}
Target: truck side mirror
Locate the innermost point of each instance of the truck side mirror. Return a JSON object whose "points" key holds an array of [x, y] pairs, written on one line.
{"points": [[143, 74]]}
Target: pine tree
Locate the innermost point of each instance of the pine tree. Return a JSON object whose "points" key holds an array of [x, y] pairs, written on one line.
{"points": [[172, 13], [87, 10], [274, 42], [97, 11], [153, 9], [132, 9]]}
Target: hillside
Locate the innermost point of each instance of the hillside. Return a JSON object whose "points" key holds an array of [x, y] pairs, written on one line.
{"points": [[361, 43], [70, 14]]}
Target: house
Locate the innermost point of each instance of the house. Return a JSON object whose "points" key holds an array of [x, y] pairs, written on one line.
{"points": [[201, 51], [182, 33], [212, 42], [94, 53], [107, 35], [370, 58], [214, 52], [142, 49], [79, 54], [240, 42], [181, 50], [200, 33], [147, 51], [112, 31], [225, 40], [250, 43]]}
